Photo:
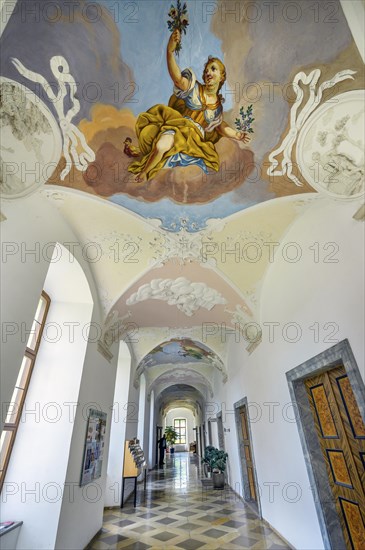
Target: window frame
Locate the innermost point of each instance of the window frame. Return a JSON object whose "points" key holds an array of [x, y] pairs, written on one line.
{"points": [[179, 427], [31, 354]]}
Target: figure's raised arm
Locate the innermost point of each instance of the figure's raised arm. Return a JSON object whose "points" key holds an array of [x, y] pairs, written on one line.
{"points": [[174, 70]]}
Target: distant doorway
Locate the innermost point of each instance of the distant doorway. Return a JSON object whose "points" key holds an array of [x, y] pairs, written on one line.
{"points": [[158, 437]]}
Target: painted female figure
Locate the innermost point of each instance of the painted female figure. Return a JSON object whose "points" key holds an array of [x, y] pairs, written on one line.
{"points": [[184, 133]]}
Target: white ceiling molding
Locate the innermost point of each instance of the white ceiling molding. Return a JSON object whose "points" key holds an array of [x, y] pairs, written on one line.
{"points": [[186, 295], [243, 322], [183, 247], [75, 149], [179, 376], [179, 404], [286, 165], [330, 147], [31, 133], [115, 328]]}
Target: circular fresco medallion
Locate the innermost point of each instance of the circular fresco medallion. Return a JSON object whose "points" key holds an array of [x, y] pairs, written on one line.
{"points": [[31, 142], [330, 147]]}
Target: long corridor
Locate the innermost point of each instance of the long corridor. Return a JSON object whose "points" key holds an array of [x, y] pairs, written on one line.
{"points": [[177, 512]]}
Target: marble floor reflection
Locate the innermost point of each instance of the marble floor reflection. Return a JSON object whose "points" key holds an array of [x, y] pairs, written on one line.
{"points": [[177, 513]]}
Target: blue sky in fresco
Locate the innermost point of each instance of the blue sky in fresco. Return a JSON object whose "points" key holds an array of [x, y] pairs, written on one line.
{"points": [[144, 36], [174, 352]]}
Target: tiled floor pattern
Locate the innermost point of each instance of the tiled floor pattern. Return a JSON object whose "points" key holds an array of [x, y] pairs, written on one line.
{"points": [[174, 513]]}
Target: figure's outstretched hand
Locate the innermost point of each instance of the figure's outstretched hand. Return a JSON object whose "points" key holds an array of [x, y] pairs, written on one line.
{"points": [[174, 40], [243, 136]]}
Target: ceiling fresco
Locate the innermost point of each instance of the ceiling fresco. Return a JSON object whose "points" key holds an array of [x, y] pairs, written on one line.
{"points": [[183, 146], [179, 351]]}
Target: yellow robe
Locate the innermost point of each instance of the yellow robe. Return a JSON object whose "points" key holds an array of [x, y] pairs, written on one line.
{"points": [[187, 139]]}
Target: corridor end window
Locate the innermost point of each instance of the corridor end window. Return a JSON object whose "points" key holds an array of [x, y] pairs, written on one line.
{"points": [[21, 386], [180, 427]]}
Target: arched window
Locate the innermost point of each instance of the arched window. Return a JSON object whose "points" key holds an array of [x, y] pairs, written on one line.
{"points": [[20, 391]]}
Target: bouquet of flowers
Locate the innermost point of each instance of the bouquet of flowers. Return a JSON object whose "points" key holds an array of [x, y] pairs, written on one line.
{"points": [[178, 20], [243, 124]]}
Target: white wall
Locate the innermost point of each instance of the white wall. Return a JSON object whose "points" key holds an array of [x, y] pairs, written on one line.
{"points": [[45, 431], [303, 292], [34, 224], [118, 427], [82, 514], [131, 419], [152, 432], [28, 236], [142, 412]]}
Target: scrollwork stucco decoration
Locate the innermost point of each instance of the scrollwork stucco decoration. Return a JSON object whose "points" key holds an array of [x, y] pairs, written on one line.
{"points": [[75, 149], [285, 167]]}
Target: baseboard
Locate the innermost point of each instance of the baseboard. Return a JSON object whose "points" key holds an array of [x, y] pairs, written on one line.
{"points": [[94, 537], [248, 504], [278, 534], [262, 519]]}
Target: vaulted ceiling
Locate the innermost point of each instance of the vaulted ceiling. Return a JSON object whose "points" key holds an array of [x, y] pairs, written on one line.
{"points": [[184, 255]]}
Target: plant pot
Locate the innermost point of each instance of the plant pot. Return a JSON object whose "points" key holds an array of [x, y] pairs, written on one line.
{"points": [[172, 450], [218, 480]]}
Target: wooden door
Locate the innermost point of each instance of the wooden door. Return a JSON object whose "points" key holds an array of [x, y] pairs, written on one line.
{"points": [[341, 433], [246, 457]]}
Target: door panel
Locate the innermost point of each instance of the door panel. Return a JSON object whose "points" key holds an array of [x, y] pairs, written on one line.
{"points": [[246, 459], [341, 433]]}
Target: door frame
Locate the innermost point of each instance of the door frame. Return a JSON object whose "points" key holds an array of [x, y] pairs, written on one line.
{"points": [[339, 354], [158, 436], [220, 431], [242, 458]]}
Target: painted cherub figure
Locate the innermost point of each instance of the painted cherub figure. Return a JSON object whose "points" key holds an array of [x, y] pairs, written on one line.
{"points": [[184, 133], [129, 149]]}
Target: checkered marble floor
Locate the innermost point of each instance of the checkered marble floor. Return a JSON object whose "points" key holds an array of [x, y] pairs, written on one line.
{"points": [[175, 513]]}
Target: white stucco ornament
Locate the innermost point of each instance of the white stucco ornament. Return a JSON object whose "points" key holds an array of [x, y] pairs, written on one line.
{"points": [[75, 149], [299, 114], [31, 142], [330, 148], [186, 295]]}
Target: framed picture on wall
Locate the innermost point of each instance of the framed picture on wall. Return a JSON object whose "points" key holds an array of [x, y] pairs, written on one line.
{"points": [[94, 447]]}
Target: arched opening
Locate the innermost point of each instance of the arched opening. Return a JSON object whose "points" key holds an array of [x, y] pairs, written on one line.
{"points": [[35, 482]]}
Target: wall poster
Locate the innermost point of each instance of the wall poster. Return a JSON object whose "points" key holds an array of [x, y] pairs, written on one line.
{"points": [[94, 447]]}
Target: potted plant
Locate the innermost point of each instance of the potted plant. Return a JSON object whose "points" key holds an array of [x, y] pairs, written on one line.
{"points": [[216, 459], [207, 460], [171, 437]]}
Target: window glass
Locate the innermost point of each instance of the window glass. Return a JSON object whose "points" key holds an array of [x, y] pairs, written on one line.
{"points": [[180, 427], [15, 407]]}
